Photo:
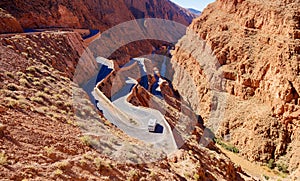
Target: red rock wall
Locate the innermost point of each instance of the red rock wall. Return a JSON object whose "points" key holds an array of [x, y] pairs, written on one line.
{"points": [[257, 46], [9, 24], [90, 14]]}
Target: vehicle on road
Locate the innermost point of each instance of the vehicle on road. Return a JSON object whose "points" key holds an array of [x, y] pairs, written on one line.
{"points": [[152, 125]]}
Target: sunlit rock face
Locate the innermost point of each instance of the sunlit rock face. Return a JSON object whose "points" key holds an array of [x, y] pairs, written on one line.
{"points": [[257, 48]]}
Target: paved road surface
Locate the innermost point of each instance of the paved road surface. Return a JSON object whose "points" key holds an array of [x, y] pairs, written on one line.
{"points": [[133, 120]]}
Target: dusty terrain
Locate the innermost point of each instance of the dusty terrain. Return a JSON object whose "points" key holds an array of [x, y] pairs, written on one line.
{"points": [[47, 135]]}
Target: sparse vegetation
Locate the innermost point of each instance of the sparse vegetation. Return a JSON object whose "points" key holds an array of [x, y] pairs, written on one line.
{"points": [[152, 174], [282, 167], [133, 174], [11, 103], [51, 79], [88, 140], [24, 82], [37, 100], [59, 103], [97, 162], [270, 164], [37, 83], [82, 162], [88, 156], [43, 95], [3, 159], [49, 150], [58, 172], [31, 69], [187, 175], [9, 74], [24, 104], [62, 165], [196, 176], [266, 177], [44, 82], [226, 146], [47, 90]]}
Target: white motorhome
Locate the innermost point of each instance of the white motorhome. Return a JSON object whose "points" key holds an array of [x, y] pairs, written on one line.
{"points": [[152, 125]]}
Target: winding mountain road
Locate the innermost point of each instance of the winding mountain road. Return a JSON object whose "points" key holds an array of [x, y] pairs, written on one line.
{"points": [[134, 120]]}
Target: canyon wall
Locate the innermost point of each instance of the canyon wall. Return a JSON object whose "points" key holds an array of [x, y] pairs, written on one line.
{"points": [[255, 44], [100, 15], [9, 24], [153, 9], [90, 14]]}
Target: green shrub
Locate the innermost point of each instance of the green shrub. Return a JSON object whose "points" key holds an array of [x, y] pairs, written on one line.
{"points": [[3, 159], [227, 147], [88, 140], [58, 172], [282, 167], [47, 90], [196, 176], [266, 177], [271, 164], [49, 150]]}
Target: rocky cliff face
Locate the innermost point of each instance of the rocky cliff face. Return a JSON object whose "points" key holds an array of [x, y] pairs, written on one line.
{"points": [[72, 14], [100, 15], [90, 14], [9, 24], [153, 9], [256, 45]]}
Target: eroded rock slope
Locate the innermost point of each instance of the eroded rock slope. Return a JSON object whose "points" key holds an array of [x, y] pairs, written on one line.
{"points": [[256, 45]]}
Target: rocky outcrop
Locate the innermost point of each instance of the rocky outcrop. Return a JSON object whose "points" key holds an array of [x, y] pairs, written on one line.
{"points": [[101, 15], [256, 46], [63, 13], [90, 14], [153, 9], [9, 24], [187, 130]]}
